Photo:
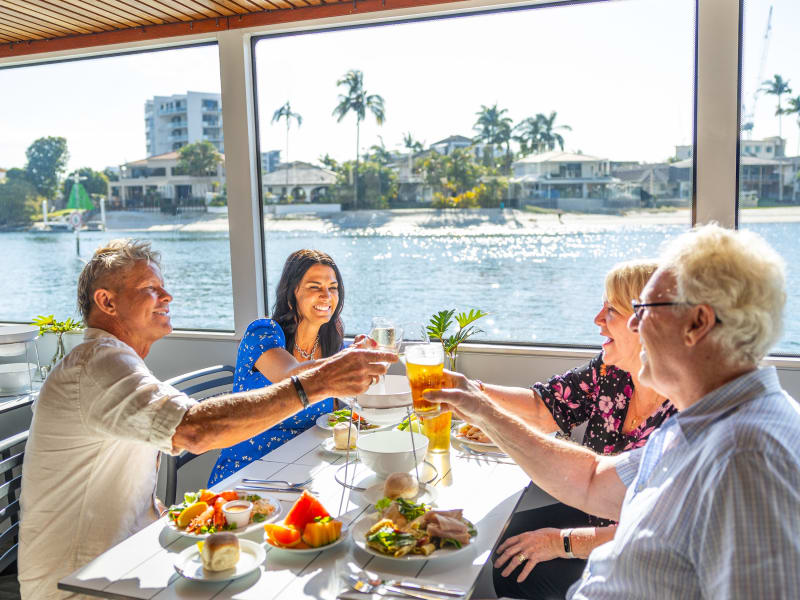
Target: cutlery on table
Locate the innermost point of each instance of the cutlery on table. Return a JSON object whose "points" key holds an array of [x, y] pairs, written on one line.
{"points": [[474, 452], [261, 488], [366, 586], [414, 586], [299, 484]]}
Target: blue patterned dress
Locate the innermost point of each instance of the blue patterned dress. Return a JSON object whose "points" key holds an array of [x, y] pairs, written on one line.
{"points": [[261, 335]]}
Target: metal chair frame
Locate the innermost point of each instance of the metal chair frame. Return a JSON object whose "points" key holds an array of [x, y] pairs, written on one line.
{"points": [[10, 461], [193, 384]]}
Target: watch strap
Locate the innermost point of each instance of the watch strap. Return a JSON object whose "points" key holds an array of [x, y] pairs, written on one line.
{"points": [[300, 391], [565, 537]]}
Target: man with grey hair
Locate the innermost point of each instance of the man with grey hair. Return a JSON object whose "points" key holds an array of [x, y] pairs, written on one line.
{"points": [[90, 467], [710, 506]]}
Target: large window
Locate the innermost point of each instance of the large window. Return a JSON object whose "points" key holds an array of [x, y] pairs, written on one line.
{"points": [[769, 159], [502, 161], [142, 136]]}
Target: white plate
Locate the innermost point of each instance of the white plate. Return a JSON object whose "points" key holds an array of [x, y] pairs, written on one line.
{"points": [[328, 446], [479, 446], [242, 530], [427, 494], [189, 564], [341, 540], [363, 525], [322, 423]]}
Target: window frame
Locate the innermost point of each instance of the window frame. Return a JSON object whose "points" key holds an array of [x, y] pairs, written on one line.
{"points": [[715, 151]]}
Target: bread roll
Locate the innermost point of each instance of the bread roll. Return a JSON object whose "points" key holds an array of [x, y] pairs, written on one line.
{"points": [[400, 485], [220, 551], [340, 435]]}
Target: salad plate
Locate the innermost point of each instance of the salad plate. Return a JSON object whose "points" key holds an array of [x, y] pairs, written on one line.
{"points": [[363, 525], [188, 563], [254, 525], [306, 550], [323, 422]]}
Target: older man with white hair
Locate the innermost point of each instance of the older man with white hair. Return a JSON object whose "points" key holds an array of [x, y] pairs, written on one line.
{"points": [[90, 467], [710, 507]]}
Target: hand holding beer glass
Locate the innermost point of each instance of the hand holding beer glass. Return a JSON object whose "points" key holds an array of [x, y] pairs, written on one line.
{"points": [[425, 371]]}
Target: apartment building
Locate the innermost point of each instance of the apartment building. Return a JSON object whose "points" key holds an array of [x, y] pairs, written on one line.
{"points": [[174, 121]]}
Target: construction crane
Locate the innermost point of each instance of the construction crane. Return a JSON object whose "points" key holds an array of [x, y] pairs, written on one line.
{"points": [[749, 111]]}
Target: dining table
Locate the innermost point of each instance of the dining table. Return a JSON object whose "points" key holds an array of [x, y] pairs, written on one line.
{"points": [[487, 487]]}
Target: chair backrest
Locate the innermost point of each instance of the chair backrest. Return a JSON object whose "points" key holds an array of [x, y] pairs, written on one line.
{"points": [[200, 385], [12, 451]]}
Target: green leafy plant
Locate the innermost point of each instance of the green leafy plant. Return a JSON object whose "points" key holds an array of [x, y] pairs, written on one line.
{"points": [[442, 322], [49, 324]]}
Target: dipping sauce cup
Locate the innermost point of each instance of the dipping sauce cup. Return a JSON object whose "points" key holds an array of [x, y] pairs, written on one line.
{"points": [[237, 512]]}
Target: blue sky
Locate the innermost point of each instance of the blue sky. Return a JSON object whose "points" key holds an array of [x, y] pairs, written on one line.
{"points": [[620, 74]]}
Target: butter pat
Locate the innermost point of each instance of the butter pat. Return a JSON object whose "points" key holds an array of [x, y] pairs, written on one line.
{"points": [[340, 435]]}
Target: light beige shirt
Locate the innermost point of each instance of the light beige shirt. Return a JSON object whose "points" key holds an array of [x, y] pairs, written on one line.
{"points": [[90, 470]]}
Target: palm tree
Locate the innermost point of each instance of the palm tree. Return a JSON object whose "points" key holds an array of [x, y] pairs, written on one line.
{"points": [[285, 112], [548, 134], [794, 109], [529, 134], [357, 100], [777, 86], [413, 145], [493, 127]]}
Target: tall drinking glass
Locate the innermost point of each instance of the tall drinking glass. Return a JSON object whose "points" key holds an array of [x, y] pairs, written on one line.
{"points": [[388, 337], [425, 371]]}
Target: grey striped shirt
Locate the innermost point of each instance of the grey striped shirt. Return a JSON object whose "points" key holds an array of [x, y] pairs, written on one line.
{"points": [[713, 503]]}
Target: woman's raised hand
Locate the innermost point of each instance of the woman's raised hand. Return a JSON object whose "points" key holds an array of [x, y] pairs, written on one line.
{"points": [[462, 396]]}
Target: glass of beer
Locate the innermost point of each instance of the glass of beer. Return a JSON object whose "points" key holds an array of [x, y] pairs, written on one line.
{"points": [[424, 368], [437, 430]]}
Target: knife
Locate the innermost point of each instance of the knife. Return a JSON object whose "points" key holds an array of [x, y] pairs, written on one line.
{"points": [[410, 585], [261, 488]]}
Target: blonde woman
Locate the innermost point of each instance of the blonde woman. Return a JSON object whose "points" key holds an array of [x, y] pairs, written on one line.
{"points": [[619, 413]]}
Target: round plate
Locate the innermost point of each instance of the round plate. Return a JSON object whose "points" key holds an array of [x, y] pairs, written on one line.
{"points": [[363, 525], [328, 446], [427, 494], [341, 540], [242, 530], [322, 423], [479, 446], [189, 564]]}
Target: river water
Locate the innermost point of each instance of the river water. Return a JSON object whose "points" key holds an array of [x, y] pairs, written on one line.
{"points": [[541, 286]]}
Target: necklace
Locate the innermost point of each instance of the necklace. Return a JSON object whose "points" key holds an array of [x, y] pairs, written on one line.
{"points": [[308, 355], [637, 418]]}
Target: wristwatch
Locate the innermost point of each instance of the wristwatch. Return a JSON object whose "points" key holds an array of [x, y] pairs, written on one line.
{"points": [[565, 537]]}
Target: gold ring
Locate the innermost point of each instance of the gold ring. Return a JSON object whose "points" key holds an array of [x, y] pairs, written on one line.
{"points": [[521, 557]]}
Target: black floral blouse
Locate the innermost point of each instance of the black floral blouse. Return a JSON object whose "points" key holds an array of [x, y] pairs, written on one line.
{"points": [[600, 394]]}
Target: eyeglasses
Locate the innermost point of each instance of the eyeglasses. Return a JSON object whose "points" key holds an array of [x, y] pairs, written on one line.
{"points": [[638, 308]]}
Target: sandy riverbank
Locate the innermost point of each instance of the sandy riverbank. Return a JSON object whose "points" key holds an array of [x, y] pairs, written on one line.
{"points": [[420, 221]]}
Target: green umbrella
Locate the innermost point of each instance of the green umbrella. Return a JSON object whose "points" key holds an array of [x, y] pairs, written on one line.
{"points": [[79, 199]]}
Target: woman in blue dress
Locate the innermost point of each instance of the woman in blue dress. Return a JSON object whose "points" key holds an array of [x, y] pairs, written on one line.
{"points": [[305, 328]]}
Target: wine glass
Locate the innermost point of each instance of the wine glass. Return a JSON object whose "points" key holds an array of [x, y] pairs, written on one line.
{"points": [[388, 337]]}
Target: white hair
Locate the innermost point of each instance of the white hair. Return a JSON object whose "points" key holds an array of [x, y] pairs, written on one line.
{"points": [[741, 277]]}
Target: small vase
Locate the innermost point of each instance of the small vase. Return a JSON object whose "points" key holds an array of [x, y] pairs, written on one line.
{"points": [[451, 361]]}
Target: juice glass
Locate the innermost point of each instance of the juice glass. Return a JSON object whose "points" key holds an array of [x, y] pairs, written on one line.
{"points": [[437, 430], [424, 368]]}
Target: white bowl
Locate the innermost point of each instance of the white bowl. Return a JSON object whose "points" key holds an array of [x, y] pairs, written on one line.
{"points": [[18, 333], [387, 452], [16, 377], [392, 391]]}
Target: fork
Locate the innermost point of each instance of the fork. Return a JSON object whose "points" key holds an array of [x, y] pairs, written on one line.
{"points": [[361, 584], [479, 453], [273, 481]]}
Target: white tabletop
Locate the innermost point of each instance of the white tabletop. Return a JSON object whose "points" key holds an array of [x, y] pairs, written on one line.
{"points": [[142, 566]]}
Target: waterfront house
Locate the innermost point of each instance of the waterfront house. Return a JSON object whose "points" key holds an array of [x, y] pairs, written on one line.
{"points": [[655, 184], [566, 181], [299, 181], [157, 181]]}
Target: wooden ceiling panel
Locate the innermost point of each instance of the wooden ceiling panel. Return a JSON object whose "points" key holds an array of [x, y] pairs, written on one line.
{"points": [[35, 26]]}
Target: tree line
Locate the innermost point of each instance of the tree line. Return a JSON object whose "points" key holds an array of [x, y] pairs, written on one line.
{"points": [[463, 178]]}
